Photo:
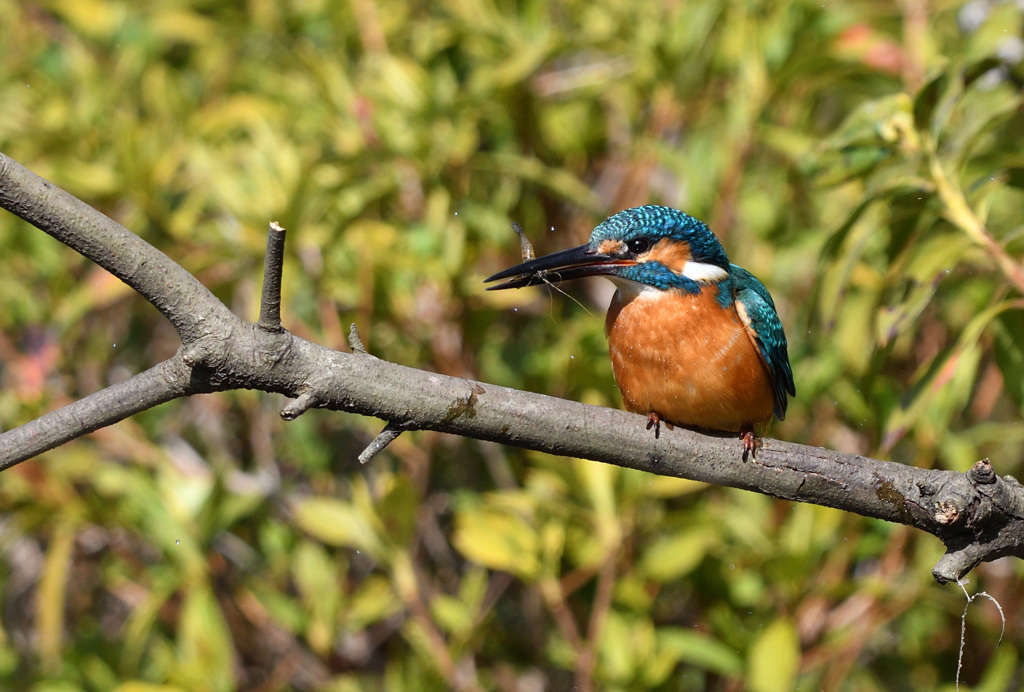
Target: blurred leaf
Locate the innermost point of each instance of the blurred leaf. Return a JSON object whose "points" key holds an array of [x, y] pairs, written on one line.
{"points": [[179, 25], [399, 511], [874, 132], [999, 673], [1009, 355], [205, 642], [1015, 176], [928, 97], [599, 482], [700, 650], [452, 614], [774, 658], [95, 18], [375, 600], [497, 540], [933, 259], [884, 192], [562, 182], [51, 597], [946, 387], [139, 686], [626, 644], [674, 556], [317, 579], [666, 486], [101, 290], [336, 522]]}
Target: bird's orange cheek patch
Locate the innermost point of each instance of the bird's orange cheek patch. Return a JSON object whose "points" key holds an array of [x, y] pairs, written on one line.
{"points": [[671, 253], [611, 247]]}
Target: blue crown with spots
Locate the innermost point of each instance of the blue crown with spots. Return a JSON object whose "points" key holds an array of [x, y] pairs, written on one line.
{"points": [[653, 221]]}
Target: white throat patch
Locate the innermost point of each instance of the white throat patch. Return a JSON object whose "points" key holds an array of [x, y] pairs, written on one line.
{"points": [[629, 289], [704, 273]]}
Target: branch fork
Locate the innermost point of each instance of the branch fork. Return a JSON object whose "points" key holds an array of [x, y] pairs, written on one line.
{"points": [[978, 515]]}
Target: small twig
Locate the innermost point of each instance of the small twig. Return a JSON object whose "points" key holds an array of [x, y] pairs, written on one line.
{"points": [[273, 264], [386, 437], [963, 624], [354, 342], [554, 598], [294, 409]]}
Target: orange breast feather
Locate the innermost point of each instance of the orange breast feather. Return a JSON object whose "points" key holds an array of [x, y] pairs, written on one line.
{"points": [[685, 358]]}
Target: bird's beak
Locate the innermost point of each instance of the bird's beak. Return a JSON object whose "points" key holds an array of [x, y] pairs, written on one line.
{"points": [[566, 265]]}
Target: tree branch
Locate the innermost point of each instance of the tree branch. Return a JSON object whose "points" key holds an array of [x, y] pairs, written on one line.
{"points": [[162, 383], [978, 515]]}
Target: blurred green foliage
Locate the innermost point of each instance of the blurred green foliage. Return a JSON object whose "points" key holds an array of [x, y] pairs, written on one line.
{"points": [[863, 159]]}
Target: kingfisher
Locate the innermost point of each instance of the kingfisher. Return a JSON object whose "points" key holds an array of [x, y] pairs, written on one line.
{"points": [[694, 340]]}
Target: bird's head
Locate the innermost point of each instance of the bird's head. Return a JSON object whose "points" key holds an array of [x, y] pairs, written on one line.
{"points": [[652, 246]]}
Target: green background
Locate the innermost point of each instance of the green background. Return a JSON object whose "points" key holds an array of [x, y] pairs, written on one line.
{"points": [[864, 159]]}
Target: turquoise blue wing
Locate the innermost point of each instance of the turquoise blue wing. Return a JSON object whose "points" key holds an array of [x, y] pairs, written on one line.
{"points": [[766, 328]]}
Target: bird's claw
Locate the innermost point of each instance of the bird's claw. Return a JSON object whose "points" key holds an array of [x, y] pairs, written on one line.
{"points": [[655, 421], [751, 443]]}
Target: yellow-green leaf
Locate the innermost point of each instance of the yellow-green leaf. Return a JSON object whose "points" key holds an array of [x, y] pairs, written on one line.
{"points": [[497, 540], [674, 556], [336, 523], [774, 658]]}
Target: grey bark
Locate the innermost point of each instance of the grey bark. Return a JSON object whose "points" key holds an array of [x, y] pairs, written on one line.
{"points": [[978, 515]]}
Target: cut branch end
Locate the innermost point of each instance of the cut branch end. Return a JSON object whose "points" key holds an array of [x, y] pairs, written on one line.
{"points": [[273, 266]]}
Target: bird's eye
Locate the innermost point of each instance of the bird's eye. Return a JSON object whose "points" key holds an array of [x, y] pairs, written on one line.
{"points": [[638, 246]]}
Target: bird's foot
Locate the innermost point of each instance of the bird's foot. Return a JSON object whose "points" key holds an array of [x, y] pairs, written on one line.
{"points": [[751, 443], [654, 421]]}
